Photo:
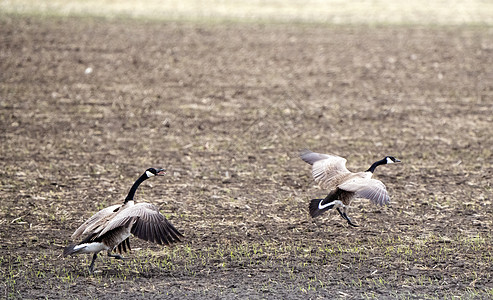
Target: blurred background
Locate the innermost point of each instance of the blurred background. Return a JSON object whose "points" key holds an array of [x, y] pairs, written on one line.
{"points": [[439, 12]]}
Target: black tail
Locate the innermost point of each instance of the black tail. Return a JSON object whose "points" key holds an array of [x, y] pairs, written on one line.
{"points": [[315, 210], [69, 250]]}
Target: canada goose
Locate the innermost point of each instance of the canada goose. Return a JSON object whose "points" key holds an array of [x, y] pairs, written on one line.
{"points": [[330, 172], [111, 227]]}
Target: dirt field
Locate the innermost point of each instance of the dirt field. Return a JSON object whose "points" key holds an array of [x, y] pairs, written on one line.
{"points": [[87, 105]]}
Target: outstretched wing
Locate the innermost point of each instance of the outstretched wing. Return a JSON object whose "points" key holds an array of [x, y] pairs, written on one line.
{"points": [[325, 168], [368, 188], [147, 224], [91, 223]]}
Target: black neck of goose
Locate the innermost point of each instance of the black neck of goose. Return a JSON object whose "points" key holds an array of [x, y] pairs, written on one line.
{"points": [[134, 187], [376, 164]]}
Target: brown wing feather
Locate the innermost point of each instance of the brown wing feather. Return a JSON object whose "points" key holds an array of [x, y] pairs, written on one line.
{"points": [[327, 170], [311, 157], [148, 223], [163, 235], [175, 234], [92, 223], [368, 188]]}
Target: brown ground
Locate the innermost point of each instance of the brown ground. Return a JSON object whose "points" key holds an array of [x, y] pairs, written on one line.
{"points": [[225, 108]]}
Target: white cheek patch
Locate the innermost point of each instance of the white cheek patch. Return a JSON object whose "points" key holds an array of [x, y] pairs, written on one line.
{"points": [[389, 161], [149, 174]]}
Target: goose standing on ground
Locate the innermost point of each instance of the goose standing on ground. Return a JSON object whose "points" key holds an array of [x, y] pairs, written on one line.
{"points": [[330, 172], [110, 228]]}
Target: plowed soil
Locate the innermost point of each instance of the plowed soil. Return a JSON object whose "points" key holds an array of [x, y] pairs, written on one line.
{"points": [[88, 104]]}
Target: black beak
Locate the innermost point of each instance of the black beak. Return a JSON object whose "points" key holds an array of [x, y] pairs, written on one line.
{"points": [[161, 172], [396, 160]]}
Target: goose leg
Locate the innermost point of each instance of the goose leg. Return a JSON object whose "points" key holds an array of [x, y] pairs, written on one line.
{"points": [[91, 267], [116, 256], [349, 221], [344, 215]]}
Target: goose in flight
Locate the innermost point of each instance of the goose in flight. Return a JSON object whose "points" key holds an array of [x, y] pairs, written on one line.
{"points": [[110, 228], [330, 172]]}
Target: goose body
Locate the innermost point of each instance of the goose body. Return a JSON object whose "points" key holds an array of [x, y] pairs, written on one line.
{"points": [[330, 172], [110, 228]]}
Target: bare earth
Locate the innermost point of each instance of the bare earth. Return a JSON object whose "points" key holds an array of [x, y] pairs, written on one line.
{"points": [[87, 105]]}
